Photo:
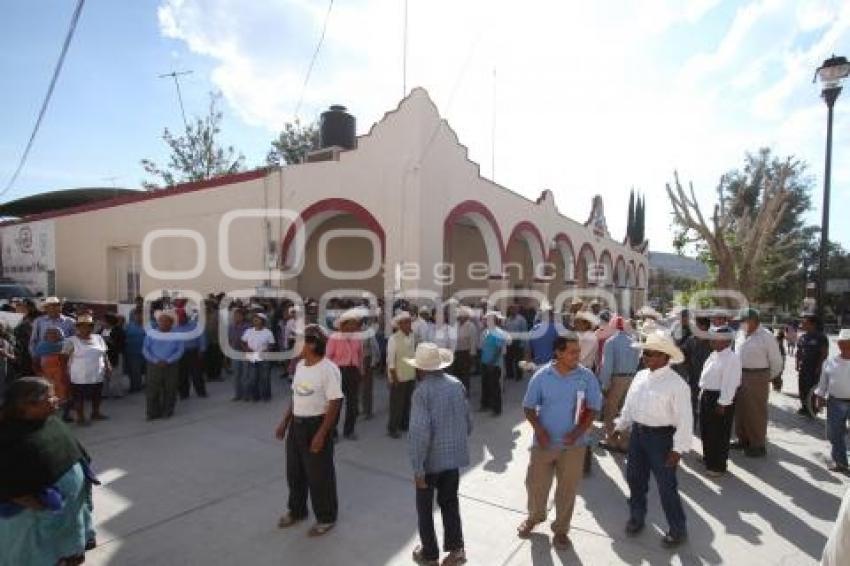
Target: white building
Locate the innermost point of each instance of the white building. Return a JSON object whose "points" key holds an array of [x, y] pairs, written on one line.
{"points": [[406, 208]]}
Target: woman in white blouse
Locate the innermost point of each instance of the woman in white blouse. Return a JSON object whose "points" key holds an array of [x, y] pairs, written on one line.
{"points": [[720, 379], [88, 366]]}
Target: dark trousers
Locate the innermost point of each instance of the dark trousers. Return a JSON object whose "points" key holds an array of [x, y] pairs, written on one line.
{"points": [[716, 431], [491, 388], [513, 355], [400, 396], [190, 373], [161, 390], [463, 366], [308, 473], [213, 360], [256, 380], [648, 449], [805, 383], [351, 390], [367, 389], [445, 484], [134, 365]]}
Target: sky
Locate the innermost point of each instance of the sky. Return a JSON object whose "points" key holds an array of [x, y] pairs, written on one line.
{"points": [[577, 97]]}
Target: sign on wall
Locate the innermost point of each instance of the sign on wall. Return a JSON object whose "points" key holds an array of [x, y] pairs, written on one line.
{"points": [[29, 255]]}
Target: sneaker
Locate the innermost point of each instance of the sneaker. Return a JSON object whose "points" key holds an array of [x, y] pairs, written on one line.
{"points": [[715, 473], [803, 412], [839, 468]]}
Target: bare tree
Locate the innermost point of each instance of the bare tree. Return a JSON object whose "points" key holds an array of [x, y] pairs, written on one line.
{"points": [[738, 233]]}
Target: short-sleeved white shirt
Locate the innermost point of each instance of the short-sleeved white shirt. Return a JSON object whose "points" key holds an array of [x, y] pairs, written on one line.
{"points": [[313, 386], [258, 340], [87, 363]]}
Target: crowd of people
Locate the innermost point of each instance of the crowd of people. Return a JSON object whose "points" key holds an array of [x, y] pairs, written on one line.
{"points": [[635, 383]]}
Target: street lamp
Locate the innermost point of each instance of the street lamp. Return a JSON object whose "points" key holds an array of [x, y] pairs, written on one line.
{"points": [[831, 74]]}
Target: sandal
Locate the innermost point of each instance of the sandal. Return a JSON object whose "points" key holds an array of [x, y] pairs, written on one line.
{"points": [[288, 520], [524, 529], [319, 529]]}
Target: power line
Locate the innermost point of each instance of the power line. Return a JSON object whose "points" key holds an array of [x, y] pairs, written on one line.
{"points": [[74, 19], [313, 59]]}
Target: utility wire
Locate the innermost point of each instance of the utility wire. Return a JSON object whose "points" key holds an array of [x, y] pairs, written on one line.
{"points": [[313, 59], [74, 18]]}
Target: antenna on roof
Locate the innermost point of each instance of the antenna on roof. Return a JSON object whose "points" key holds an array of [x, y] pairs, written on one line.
{"points": [[174, 75]]}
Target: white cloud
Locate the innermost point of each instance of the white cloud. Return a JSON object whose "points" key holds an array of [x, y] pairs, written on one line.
{"points": [[589, 96]]}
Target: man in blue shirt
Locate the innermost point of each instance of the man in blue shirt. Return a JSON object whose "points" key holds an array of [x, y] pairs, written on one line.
{"points": [[162, 353], [190, 369], [542, 338], [494, 344], [560, 404], [619, 365], [439, 426]]}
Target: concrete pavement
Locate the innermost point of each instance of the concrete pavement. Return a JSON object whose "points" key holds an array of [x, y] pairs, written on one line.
{"points": [[207, 487]]}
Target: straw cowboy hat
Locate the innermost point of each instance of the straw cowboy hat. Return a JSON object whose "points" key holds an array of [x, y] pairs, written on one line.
{"points": [[576, 301], [430, 357], [52, 301], [844, 335], [85, 319], [660, 341]]}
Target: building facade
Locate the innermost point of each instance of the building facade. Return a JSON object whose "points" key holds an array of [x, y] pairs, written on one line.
{"points": [[405, 213]]}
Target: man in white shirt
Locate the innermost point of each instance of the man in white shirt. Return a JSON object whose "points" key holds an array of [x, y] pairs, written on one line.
{"points": [[467, 346], [658, 412], [423, 327], [761, 361], [721, 376], [834, 392]]}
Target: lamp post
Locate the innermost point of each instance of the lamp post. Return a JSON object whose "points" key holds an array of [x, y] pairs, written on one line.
{"points": [[833, 71]]}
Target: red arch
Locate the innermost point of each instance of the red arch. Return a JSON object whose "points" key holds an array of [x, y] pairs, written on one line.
{"points": [[342, 206], [561, 237], [584, 247], [638, 278], [617, 263], [525, 226], [469, 207]]}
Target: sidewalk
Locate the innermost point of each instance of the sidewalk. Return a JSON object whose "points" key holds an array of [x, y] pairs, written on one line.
{"points": [[207, 487]]}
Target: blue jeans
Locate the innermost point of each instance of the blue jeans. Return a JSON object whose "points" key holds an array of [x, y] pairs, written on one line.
{"points": [[648, 451], [257, 384], [238, 367], [837, 413]]}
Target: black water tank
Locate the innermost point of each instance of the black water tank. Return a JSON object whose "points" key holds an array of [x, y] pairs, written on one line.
{"points": [[338, 127]]}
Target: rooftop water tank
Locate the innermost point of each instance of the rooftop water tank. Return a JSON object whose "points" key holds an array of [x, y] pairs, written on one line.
{"points": [[338, 128]]}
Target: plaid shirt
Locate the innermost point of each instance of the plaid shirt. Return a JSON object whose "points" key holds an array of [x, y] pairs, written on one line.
{"points": [[439, 425]]}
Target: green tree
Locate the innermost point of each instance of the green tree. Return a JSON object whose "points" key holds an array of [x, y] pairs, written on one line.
{"points": [[630, 223], [293, 143], [196, 155]]}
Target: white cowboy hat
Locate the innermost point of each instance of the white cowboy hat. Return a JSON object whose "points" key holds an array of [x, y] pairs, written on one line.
{"points": [[660, 341], [403, 315], [576, 301], [589, 317], [430, 357], [648, 311], [424, 310], [844, 335], [52, 301], [494, 314], [356, 314], [167, 313], [464, 311]]}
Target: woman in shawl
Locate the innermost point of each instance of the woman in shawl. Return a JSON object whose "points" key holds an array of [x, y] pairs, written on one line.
{"points": [[45, 481]]}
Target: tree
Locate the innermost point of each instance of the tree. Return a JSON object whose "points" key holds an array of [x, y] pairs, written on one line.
{"points": [[755, 227], [293, 143], [630, 224], [197, 154], [640, 220]]}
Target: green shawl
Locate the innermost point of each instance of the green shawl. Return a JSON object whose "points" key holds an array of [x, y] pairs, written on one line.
{"points": [[35, 454]]}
